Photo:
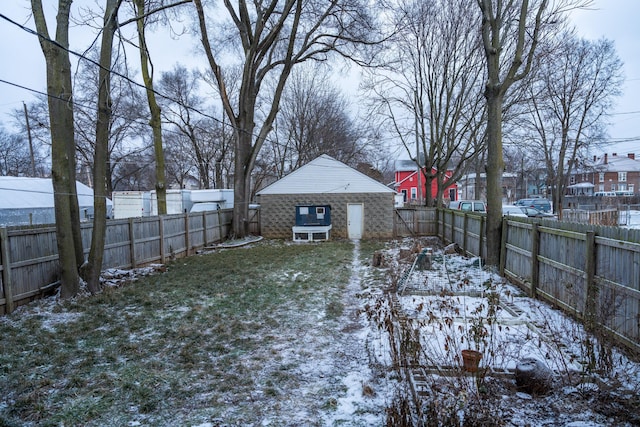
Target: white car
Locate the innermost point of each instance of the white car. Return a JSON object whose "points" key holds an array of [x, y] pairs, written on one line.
{"points": [[512, 210]]}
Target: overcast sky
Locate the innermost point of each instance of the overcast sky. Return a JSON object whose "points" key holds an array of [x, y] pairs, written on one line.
{"points": [[23, 63], [618, 20]]}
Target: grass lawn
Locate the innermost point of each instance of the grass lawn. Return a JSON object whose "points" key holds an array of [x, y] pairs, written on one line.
{"points": [[226, 338]]}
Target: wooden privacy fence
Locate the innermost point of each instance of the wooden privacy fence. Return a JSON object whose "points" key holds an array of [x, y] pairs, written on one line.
{"points": [[591, 272], [415, 221], [599, 217], [29, 256]]}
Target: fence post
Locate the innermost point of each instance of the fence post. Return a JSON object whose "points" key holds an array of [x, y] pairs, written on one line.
{"points": [[204, 229], [453, 228], [535, 263], [6, 270], [187, 239], [163, 252], [591, 301], [465, 229], [480, 234], [132, 243], [219, 227], [503, 245]]}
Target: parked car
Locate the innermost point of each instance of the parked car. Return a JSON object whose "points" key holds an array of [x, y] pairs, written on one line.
{"points": [[469, 205], [535, 213], [513, 210], [542, 205]]}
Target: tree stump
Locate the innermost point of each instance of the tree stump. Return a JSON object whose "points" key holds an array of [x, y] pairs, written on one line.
{"points": [[377, 259]]}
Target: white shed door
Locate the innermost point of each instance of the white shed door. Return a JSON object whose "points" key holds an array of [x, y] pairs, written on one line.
{"points": [[355, 216]]}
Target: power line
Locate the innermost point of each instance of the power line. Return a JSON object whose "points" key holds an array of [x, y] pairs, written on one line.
{"points": [[109, 70]]}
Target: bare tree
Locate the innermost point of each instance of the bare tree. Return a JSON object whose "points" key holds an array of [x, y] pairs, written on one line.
{"points": [[92, 268], [428, 90], [60, 100], [273, 36], [136, 173], [200, 136], [15, 155], [142, 18], [575, 87], [126, 122], [511, 32], [314, 119]]}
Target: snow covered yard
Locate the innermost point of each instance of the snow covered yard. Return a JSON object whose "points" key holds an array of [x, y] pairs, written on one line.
{"points": [[280, 334], [452, 303]]}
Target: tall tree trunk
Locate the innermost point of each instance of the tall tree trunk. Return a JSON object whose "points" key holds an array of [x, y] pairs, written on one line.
{"points": [[495, 38], [92, 270], [495, 167], [242, 184], [155, 121], [60, 101]]}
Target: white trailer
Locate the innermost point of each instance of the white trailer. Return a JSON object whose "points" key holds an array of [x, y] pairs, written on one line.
{"points": [[178, 201], [131, 204], [211, 199]]}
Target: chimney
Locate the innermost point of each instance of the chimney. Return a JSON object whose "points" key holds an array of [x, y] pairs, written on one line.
{"points": [[606, 158], [632, 156]]}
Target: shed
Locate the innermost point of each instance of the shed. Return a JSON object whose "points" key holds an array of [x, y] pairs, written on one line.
{"points": [[25, 201], [361, 207]]}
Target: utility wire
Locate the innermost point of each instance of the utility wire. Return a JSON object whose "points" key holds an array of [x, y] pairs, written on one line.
{"points": [[109, 70]]}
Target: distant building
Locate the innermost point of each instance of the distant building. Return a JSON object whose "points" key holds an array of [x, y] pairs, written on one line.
{"points": [[469, 184], [606, 174], [412, 185]]}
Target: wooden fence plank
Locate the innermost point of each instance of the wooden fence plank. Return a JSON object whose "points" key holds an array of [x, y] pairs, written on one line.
{"points": [[6, 270], [30, 261], [573, 266]]}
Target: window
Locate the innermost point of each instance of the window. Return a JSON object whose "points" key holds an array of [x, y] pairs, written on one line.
{"points": [[622, 177], [613, 187], [572, 179], [320, 212], [601, 187], [404, 195], [601, 178], [622, 187], [414, 193], [631, 188]]}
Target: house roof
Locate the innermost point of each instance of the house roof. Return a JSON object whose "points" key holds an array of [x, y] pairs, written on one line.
{"points": [[615, 163], [25, 193], [325, 174], [405, 165]]}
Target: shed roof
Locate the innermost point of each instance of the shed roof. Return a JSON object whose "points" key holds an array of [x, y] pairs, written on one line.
{"points": [[18, 192], [325, 174]]}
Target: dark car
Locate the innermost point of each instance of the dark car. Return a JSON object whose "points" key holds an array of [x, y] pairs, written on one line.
{"points": [[542, 205], [535, 213]]}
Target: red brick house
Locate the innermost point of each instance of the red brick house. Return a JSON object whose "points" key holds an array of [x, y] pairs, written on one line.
{"points": [[408, 182], [609, 173]]}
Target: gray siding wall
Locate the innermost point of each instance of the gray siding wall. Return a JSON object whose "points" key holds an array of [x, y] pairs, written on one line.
{"points": [[278, 214]]}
